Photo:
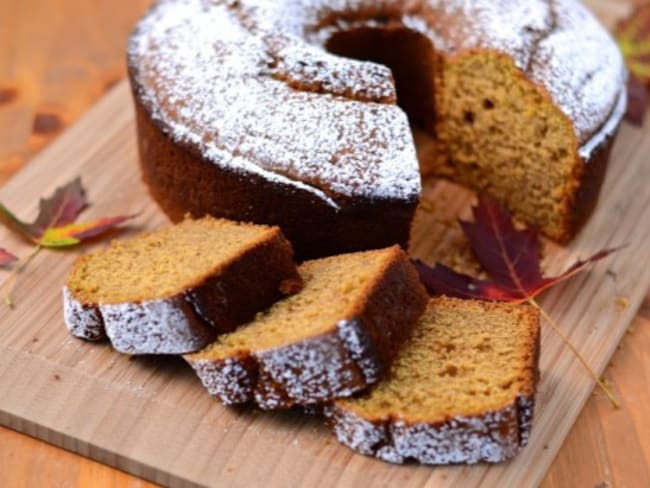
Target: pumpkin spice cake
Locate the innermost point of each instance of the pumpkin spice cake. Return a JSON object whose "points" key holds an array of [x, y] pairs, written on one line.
{"points": [[332, 339], [171, 291], [256, 110], [461, 389]]}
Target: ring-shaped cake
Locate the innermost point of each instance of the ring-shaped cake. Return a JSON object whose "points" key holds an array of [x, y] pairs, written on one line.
{"points": [[286, 111]]}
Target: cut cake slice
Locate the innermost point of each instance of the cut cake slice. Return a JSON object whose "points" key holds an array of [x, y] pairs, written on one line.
{"points": [[461, 390], [173, 290], [334, 338]]}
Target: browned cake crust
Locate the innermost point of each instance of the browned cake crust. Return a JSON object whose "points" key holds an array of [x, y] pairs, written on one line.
{"points": [[181, 180], [194, 317], [492, 437], [333, 365], [590, 181]]}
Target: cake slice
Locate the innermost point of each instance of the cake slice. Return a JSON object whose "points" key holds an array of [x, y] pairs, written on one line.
{"points": [[461, 389], [334, 338], [173, 290]]}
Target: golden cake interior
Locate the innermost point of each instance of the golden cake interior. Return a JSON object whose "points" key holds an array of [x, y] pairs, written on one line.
{"points": [[480, 122], [163, 263], [333, 289], [464, 358]]}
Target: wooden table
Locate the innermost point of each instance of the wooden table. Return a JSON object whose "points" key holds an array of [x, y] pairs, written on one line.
{"points": [[58, 57]]}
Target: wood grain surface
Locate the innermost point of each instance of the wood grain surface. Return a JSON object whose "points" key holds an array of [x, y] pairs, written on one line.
{"points": [[151, 416], [57, 57]]}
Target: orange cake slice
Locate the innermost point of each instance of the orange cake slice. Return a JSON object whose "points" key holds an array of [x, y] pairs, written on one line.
{"points": [[461, 389], [334, 338], [173, 290]]}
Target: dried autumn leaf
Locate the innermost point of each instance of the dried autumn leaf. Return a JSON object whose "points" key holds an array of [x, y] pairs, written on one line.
{"points": [[73, 234], [61, 209], [442, 280], [6, 257], [54, 226], [509, 256], [633, 36]]}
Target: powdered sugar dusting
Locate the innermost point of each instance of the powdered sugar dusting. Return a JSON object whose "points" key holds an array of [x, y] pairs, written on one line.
{"points": [[356, 432], [308, 371], [165, 326], [211, 74], [309, 68], [558, 43], [608, 129], [509, 26], [526, 407], [312, 370], [83, 321], [493, 437], [358, 345], [580, 66], [206, 78], [229, 379]]}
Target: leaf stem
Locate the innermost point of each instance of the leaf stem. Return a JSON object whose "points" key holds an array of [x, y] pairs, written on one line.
{"points": [[13, 277], [556, 328]]}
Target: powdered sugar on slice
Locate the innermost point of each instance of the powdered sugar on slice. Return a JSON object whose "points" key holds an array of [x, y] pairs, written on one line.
{"points": [[318, 369], [228, 379], [165, 326], [83, 321], [360, 349], [493, 437], [312, 370]]}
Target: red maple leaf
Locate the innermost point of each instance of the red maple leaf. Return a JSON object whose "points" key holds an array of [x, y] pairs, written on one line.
{"points": [[509, 256], [6, 257], [60, 209], [54, 226]]}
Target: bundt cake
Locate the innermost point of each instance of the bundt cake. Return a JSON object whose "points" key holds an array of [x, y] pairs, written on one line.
{"points": [[333, 338], [255, 110], [173, 290], [461, 390]]}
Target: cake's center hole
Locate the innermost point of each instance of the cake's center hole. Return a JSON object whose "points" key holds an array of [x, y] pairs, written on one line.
{"points": [[408, 54]]}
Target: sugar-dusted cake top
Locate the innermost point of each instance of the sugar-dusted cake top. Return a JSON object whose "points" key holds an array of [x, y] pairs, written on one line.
{"points": [[558, 43], [249, 84], [212, 83]]}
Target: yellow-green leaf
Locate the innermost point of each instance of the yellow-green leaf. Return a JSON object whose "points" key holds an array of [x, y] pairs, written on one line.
{"points": [[73, 234]]}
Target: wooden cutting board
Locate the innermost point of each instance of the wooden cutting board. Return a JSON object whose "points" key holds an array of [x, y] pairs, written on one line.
{"points": [[151, 416]]}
